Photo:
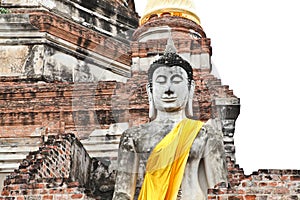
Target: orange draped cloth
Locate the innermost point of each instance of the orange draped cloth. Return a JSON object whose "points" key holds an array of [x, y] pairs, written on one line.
{"points": [[166, 164]]}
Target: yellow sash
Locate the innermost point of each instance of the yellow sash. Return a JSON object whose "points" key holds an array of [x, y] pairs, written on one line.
{"points": [[166, 164]]}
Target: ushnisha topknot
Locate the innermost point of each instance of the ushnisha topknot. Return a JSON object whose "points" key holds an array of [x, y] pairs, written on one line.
{"points": [[169, 59]]}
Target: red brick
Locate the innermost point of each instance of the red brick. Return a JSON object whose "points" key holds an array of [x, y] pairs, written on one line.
{"points": [[5, 192], [70, 190], [285, 177], [235, 198], [39, 186], [281, 190], [250, 197], [54, 191], [273, 184], [13, 187], [44, 191], [77, 196], [295, 178], [211, 197], [73, 184], [262, 184], [35, 192], [241, 191], [47, 197]]}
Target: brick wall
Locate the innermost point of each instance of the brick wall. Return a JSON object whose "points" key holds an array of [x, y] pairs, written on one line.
{"points": [[265, 184], [58, 170], [27, 105]]}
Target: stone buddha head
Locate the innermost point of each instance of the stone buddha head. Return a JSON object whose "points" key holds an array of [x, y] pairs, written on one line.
{"points": [[170, 85]]}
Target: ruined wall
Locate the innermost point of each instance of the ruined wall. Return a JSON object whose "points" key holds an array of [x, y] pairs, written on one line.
{"points": [[60, 169], [31, 108], [265, 184]]}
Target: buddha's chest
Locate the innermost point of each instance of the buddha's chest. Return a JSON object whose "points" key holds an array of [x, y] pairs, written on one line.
{"points": [[148, 142]]}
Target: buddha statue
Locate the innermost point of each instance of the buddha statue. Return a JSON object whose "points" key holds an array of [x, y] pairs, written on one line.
{"points": [[172, 157]]}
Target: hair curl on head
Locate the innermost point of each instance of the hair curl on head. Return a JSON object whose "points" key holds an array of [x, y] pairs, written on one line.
{"points": [[170, 60]]}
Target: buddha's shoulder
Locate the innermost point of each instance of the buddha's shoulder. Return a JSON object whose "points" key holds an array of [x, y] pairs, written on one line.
{"points": [[137, 131]]}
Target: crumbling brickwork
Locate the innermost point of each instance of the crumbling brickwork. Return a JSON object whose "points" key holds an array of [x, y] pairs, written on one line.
{"points": [[60, 169], [265, 184]]}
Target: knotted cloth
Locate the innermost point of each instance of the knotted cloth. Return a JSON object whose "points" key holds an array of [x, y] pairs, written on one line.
{"points": [[166, 164]]}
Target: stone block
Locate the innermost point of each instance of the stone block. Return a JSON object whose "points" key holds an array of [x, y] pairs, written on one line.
{"points": [[12, 59]]}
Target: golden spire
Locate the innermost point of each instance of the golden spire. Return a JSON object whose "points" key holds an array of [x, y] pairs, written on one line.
{"points": [[181, 8]]}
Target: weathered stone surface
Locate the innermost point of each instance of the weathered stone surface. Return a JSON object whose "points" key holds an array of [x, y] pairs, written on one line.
{"points": [[227, 111], [103, 175], [12, 59], [97, 40], [38, 54], [111, 17]]}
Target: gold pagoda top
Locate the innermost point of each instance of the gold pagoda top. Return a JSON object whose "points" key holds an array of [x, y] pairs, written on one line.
{"points": [[181, 8]]}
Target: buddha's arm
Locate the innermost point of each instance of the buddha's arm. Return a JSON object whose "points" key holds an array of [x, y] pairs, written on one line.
{"points": [[127, 169], [214, 157]]}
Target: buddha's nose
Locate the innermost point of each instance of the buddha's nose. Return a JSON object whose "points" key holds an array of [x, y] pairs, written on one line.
{"points": [[169, 92]]}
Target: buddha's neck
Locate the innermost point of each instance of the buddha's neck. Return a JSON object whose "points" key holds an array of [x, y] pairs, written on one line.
{"points": [[173, 116]]}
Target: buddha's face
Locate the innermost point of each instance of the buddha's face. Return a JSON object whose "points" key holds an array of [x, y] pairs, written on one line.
{"points": [[170, 88]]}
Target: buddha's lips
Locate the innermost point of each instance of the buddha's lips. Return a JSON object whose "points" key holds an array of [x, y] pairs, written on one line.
{"points": [[172, 99]]}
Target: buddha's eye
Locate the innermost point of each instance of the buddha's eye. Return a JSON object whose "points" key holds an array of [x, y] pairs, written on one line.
{"points": [[177, 79], [161, 79]]}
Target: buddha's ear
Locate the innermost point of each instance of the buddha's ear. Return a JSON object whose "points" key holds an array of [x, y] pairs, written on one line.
{"points": [[152, 110], [189, 106]]}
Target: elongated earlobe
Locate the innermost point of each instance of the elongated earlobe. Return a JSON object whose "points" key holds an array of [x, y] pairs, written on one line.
{"points": [[152, 110], [189, 106]]}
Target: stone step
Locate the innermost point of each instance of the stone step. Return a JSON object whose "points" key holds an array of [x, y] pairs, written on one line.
{"points": [[101, 141], [8, 156], [101, 148], [6, 167], [14, 150], [110, 154], [34, 140], [19, 149]]}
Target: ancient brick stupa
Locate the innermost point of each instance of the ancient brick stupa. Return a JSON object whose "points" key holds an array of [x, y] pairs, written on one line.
{"points": [[73, 76]]}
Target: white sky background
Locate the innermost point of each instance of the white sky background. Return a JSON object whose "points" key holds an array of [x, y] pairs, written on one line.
{"points": [[256, 50]]}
